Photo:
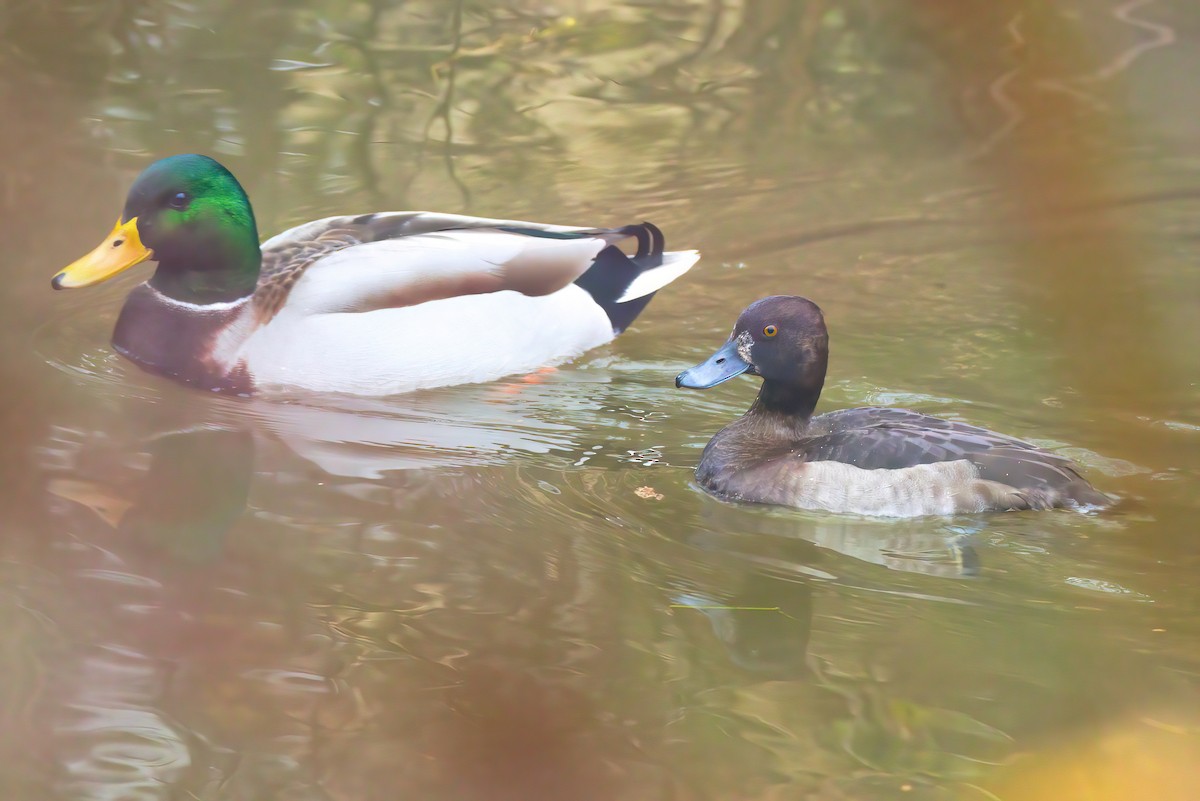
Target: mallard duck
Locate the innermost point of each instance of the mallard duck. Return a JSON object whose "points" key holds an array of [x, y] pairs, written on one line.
{"points": [[372, 304], [869, 461]]}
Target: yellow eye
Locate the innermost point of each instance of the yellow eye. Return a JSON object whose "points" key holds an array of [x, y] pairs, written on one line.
{"points": [[770, 331]]}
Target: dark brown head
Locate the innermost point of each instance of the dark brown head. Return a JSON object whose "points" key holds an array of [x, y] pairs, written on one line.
{"points": [[781, 338]]}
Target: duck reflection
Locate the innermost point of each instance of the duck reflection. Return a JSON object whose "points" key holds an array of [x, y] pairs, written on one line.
{"points": [[929, 546], [763, 615], [458, 633], [281, 632], [758, 592], [192, 492], [369, 437], [139, 551], [756, 596], [764, 626]]}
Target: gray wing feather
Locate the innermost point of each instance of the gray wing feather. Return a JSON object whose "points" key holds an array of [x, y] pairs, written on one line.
{"points": [[881, 438]]}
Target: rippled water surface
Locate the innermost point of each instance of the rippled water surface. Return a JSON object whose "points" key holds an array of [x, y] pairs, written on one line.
{"points": [[514, 590]]}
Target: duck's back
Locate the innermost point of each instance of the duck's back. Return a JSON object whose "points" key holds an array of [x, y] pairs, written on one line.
{"points": [[392, 302], [896, 462], [874, 438]]}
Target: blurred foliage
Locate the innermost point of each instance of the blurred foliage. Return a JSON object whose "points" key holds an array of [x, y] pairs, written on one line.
{"points": [[368, 90], [1150, 757]]}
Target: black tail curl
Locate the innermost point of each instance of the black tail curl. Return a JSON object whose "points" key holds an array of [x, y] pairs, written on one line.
{"points": [[651, 242], [613, 271]]}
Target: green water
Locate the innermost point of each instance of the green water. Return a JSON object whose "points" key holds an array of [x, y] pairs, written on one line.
{"points": [[514, 591]]}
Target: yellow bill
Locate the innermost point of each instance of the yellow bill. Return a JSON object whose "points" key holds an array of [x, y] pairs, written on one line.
{"points": [[119, 251]]}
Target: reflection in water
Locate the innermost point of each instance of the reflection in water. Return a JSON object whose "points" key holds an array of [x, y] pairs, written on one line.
{"points": [[113, 741], [193, 490], [366, 438], [112, 738], [931, 545], [764, 625], [513, 591], [411, 665]]}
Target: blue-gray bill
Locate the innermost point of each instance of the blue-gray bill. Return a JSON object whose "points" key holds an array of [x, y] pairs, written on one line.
{"points": [[721, 366]]}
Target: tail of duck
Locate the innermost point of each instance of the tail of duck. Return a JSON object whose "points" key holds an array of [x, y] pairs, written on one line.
{"points": [[622, 285]]}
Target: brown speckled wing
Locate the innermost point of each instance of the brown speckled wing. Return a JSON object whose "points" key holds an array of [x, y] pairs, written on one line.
{"points": [[282, 266], [287, 256]]}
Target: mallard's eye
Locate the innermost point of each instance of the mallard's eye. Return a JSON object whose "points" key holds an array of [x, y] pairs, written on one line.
{"points": [[180, 201], [770, 331]]}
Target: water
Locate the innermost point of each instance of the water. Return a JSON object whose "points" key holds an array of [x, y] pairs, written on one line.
{"points": [[514, 591]]}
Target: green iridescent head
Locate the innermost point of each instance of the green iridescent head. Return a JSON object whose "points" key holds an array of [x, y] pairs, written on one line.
{"points": [[190, 215]]}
